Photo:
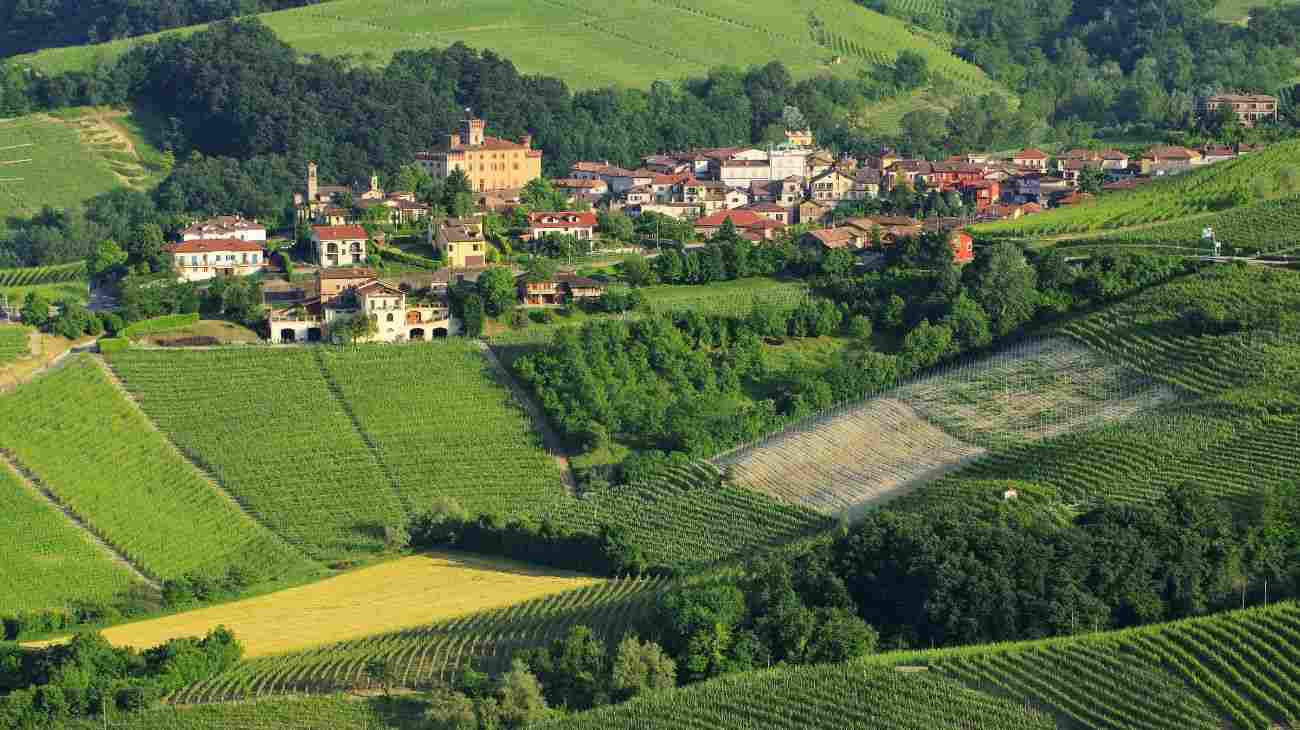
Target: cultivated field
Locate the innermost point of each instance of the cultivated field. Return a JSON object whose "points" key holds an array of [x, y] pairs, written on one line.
{"points": [[726, 297], [858, 455], [62, 161], [48, 562], [407, 592], [1209, 189], [638, 41], [278, 713], [15, 342], [85, 442]]}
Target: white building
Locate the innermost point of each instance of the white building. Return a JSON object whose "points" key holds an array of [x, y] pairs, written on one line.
{"points": [[339, 245], [200, 259], [225, 227]]}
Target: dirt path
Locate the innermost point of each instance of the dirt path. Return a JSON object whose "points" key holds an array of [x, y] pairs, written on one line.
{"points": [[550, 438], [33, 484], [48, 352], [203, 473]]}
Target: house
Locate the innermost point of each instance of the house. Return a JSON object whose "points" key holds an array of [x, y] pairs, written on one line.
{"points": [[1072, 170], [747, 223], [738, 173], [1215, 153], [811, 212], [818, 162], [639, 195], [617, 179], [866, 185], [1167, 158], [843, 237], [312, 202], [888, 228], [490, 163], [225, 227], [1024, 188], [1249, 108], [666, 164], [1114, 160], [799, 138], [1031, 158], [581, 225], [963, 246], [199, 259], [665, 186], [772, 212], [461, 243], [830, 186], [955, 175], [573, 186], [786, 192], [557, 291], [787, 161], [306, 314], [1072, 199], [909, 172], [1011, 211], [339, 245], [984, 193], [397, 209]]}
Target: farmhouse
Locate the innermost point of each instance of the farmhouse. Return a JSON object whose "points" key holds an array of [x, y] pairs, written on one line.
{"points": [[225, 227], [563, 222], [558, 290], [888, 228], [1168, 158], [749, 224], [337, 296], [1249, 108], [1031, 158], [338, 245], [199, 259], [461, 243], [490, 163], [843, 237]]}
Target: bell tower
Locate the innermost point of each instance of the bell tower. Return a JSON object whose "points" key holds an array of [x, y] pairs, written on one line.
{"points": [[311, 183]]}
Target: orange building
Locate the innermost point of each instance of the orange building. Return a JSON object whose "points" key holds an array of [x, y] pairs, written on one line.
{"points": [[490, 163]]}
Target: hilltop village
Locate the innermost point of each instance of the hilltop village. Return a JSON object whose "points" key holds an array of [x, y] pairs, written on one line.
{"points": [[794, 190]]}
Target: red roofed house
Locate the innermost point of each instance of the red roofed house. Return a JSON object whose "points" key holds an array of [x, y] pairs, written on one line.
{"points": [[985, 192], [339, 245], [844, 237], [1031, 158], [963, 247], [1165, 157], [199, 259], [563, 222], [225, 227], [748, 223], [890, 227]]}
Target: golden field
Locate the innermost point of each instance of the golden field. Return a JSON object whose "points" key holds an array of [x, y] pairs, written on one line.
{"points": [[400, 594]]}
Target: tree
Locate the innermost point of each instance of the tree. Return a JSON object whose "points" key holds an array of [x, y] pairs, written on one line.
{"points": [[637, 270], [616, 225], [472, 315], [969, 324], [911, 70], [1091, 179], [640, 667], [36, 310], [497, 288], [572, 670], [539, 194], [793, 119], [1006, 286], [923, 131], [380, 672], [519, 700], [107, 261], [146, 247], [539, 269]]}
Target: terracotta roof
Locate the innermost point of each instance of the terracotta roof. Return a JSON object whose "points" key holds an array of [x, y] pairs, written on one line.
{"points": [[337, 233], [579, 281], [1170, 152], [223, 223], [213, 245], [884, 221], [569, 218], [577, 183], [1113, 155], [767, 208], [1031, 153], [834, 237], [1243, 97], [739, 218], [377, 286], [352, 272]]}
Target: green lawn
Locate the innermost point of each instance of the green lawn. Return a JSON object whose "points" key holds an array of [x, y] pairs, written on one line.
{"points": [[77, 291], [636, 42], [725, 297]]}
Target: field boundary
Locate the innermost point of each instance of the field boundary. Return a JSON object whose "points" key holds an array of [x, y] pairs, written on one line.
{"points": [[205, 475], [33, 483], [550, 439]]}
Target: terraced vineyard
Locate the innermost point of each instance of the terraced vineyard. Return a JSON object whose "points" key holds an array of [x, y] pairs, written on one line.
{"points": [[48, 562], [1241, 667], [638, 41], [457, 433], [266, 424], [688, 517], [1214, 188], [852, 457], [439, 652], [278, 713], [835, 696], [34, 275], [90, 446], [14, 342]]}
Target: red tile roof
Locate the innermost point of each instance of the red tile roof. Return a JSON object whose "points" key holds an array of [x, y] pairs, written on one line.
{"points": [[213, 245], [739, 218], [569, 219], [1031, 154], [338, 233]]}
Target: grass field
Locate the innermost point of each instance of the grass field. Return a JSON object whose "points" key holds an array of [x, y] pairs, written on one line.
{"points": [[15, 342], [411, 591], [48, 562], [725, 297], [638, 41], [93, 448], [1250, 180], [61, 161], [76, 291]]}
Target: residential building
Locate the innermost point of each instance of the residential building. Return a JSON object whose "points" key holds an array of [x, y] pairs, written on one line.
{"points": [[1215, 153], [490, 163], [786, 192], [786, 161], [799, 138], [461, 243], [312, 202], [200, 259], [866, 185], [817, 163], [1114, 160], [811, 212], [889, 228], [955, 175], [963, 246], [574, 186], [225, 228], [772, 211], [1249, 108], [399, 209], [984, 193], [1164, 159], [339, 245], [842, 237], [830, 186], [748, 223], [1031, 158], [616, 178], [580, 225], [307, 313], [558, 291]]}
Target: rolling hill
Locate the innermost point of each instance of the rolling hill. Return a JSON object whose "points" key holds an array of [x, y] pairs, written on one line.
{"points": [[619, 43]]}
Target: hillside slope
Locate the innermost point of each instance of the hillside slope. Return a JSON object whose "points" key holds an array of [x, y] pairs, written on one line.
{"points": [[621, 43]]}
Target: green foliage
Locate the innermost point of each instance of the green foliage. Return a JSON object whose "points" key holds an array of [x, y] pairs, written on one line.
{"points": [[15, 342], [157, 325], [42, 274]]}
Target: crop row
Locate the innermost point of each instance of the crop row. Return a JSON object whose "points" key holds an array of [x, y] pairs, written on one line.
{"points": [[42, 274], [84, 441], [420, 657], [13, 343]]}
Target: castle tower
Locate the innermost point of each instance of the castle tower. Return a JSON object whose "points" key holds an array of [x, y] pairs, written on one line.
{"points": [[311, 183], [471, 130]]}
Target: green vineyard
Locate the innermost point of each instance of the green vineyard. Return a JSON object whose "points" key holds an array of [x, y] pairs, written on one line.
{"points": [[48, 563], [14, 343], [80, 438], [424, 656], [1211, 189], [42, 274], [276, 713]]}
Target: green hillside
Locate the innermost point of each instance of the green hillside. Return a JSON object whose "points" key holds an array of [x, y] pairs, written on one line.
{"points": [[62, 160], [622, 43], [1208, 192]]}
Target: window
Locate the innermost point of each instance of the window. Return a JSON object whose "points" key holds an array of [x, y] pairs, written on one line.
{"points": [[390, 316]]}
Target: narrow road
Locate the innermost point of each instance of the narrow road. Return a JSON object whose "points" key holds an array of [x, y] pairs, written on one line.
{"points": [[554, 444]]}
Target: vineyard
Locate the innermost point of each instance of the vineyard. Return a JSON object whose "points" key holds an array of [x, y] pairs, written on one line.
{"points": [[42, 274], [439, 651], [836, 696], [735, 298], [47, 561], [638, 41], [857, 455], [78, 437], [1212, 189], [278, 713], [15, 342]]}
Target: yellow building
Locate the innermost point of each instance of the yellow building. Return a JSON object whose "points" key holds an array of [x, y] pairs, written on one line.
{"points": [[490, 163]]}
